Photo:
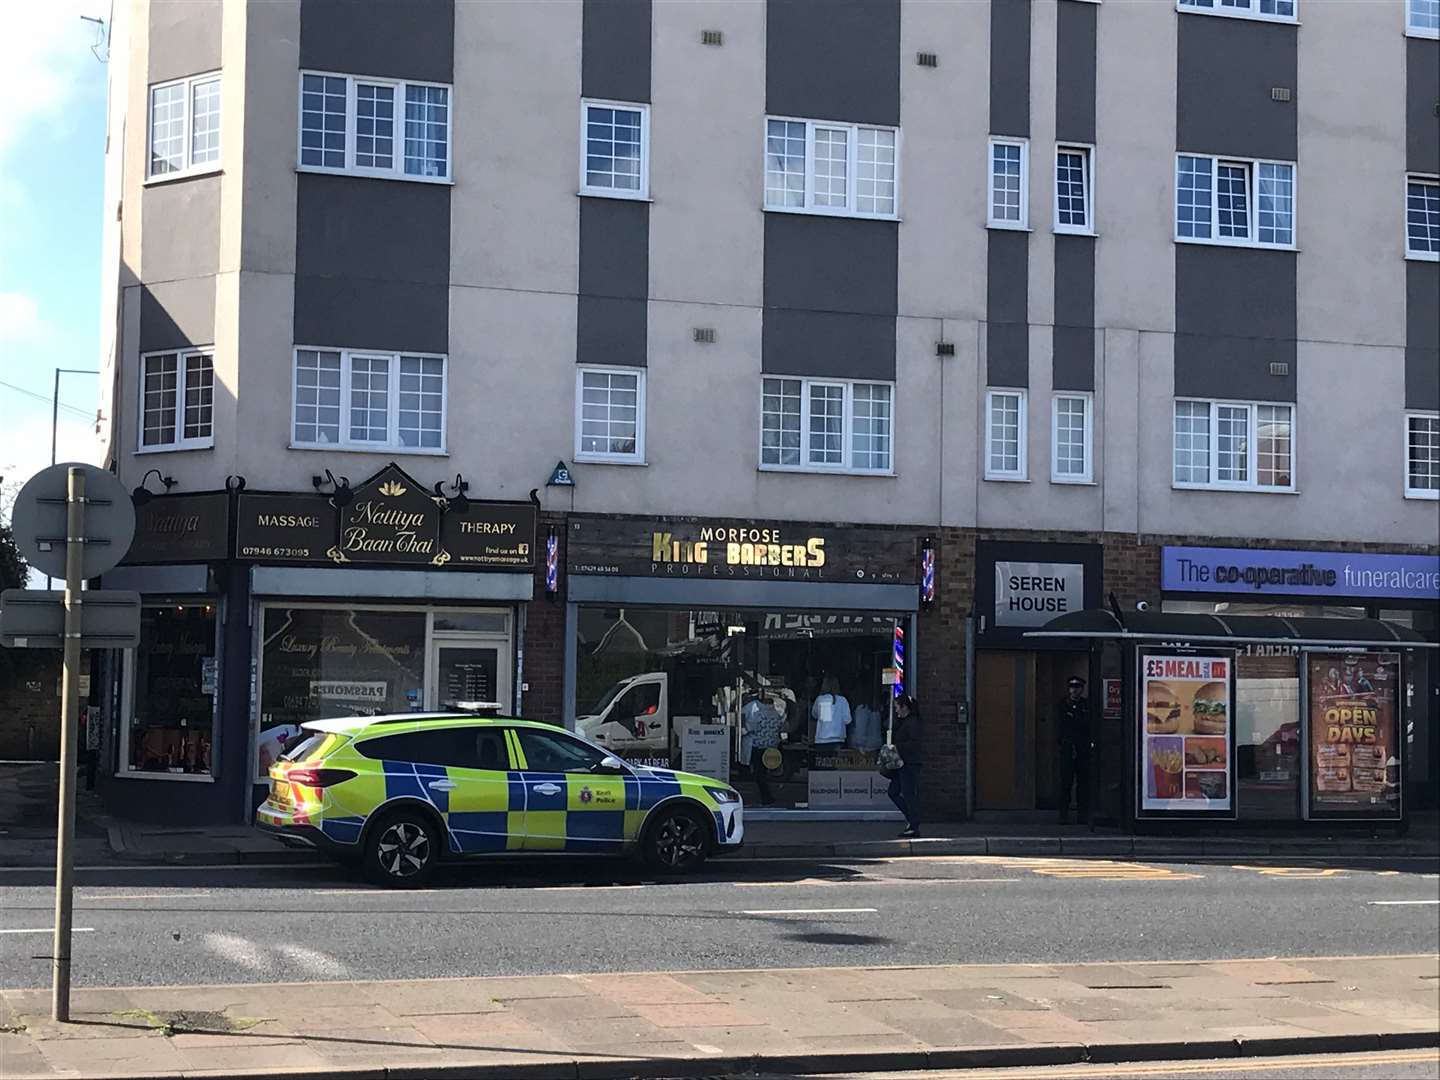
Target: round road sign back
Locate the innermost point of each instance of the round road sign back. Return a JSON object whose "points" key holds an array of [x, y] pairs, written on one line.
{"points": [[39, 520]]}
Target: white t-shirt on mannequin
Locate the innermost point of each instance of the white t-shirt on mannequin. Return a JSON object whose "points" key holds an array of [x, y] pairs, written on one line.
{"points": [[832, 717]]}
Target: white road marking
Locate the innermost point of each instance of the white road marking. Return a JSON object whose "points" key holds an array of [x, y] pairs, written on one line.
{"points": [[51, 930], [811, 911], [90, 897], [314, 962], [706, 1048], [238, 950], [1400, 903]]}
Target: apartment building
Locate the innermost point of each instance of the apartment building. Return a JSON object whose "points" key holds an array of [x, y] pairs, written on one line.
{"points": [[628, 361]]}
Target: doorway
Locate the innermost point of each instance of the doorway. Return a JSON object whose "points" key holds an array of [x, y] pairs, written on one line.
{"points": [[1016, 755], [468, 667]]}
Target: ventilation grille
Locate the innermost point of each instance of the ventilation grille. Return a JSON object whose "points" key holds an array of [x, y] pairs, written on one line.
{"points": [[927, 59], [712, 37], [705, 335], [1279, 367], [1279, 93], [944, 348]]}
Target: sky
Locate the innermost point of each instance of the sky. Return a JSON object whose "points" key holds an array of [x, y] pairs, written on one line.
{"points": [[52, 145]]}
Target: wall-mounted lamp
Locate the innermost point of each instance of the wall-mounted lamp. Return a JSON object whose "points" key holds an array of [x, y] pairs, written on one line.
{"points": [[552, 562], [457, 502], [340, 493], [142, 494], [927, 572], [234, 484]]}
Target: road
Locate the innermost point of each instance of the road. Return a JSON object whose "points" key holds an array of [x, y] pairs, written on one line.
{"points": [[1398, 1065], [163, 926]]}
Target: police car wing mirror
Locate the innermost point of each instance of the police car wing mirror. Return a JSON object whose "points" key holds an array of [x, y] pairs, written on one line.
{"points": [[609, 764]]}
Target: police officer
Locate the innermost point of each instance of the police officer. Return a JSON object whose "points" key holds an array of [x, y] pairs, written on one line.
{"points": [[1073, 735]]}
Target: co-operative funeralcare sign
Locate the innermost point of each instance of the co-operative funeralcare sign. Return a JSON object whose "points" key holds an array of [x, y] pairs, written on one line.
{"points": [[1300, 573]]}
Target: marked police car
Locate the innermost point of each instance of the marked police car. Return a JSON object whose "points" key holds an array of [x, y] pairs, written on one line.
{"points": [[399, 794]]}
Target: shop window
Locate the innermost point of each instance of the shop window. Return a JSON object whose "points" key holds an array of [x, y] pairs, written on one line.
{"points": [[325, 662], [171, 691]]}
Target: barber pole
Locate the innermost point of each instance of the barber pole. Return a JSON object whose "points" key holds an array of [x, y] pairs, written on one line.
{"points": [[927, 573], [899, 661], [552, 562]]}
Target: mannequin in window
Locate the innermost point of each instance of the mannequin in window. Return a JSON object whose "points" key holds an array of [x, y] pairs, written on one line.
{"points": [[831, 713]]}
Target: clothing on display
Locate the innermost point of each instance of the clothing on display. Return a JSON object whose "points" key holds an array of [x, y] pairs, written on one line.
{"points": [[832, 718], [867, 732]]}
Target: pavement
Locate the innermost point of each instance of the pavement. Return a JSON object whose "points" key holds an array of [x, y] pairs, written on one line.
{"points": [[27, 837], [709, 1023]]}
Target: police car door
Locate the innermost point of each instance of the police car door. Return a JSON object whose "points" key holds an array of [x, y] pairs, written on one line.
{"points": [[569, 806]]}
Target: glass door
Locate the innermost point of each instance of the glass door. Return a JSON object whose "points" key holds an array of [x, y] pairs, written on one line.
{"points": [[469, 668]]}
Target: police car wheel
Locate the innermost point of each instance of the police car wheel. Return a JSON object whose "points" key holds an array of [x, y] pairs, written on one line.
{"points": [[677, 842], [402, 850]]}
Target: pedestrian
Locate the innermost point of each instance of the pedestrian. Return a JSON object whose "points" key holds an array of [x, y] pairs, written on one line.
{"points": [[762, 726], [905, 781], [1072, 733]]}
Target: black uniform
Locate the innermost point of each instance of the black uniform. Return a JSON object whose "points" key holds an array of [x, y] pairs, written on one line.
{"points": [[1073, 735]]}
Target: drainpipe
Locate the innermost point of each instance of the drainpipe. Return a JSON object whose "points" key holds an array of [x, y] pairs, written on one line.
{"points": [[970, 717]]}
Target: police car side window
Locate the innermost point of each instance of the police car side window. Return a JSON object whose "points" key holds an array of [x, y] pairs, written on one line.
{"points": [[454, 747], [546, 752]]}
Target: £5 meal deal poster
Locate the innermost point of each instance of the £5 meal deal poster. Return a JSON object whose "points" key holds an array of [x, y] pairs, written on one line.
{"points": [[1185, 724]]}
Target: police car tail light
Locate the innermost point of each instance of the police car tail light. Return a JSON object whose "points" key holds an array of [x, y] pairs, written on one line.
{"points": [[318, 778]]}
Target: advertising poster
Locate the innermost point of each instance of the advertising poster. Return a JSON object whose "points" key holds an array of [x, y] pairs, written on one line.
{"points": [[1185, 733], [1354, 752]]}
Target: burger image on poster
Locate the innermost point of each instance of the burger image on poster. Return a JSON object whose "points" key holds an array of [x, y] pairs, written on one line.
{"points": [[1162, 709], [1210, 709]]}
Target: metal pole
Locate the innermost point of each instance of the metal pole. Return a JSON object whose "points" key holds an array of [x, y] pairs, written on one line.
{"points": [[69, 736], [54, 416]]}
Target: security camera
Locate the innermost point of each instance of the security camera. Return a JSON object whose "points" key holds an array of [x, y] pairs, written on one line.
{"points": [[1141, 605]]}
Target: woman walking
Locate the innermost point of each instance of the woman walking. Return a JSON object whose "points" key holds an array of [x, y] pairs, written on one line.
{"points": [[905, 782]]}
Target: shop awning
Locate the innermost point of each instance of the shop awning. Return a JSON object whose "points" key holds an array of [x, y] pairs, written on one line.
{"points": [[1142, 626]]}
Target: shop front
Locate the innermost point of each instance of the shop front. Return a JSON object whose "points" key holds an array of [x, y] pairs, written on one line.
{"points": [[765, 653], [264, 610], [1019, 682]]}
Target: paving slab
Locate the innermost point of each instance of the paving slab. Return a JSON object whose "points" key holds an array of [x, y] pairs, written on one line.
{"points": [[642, 989]]}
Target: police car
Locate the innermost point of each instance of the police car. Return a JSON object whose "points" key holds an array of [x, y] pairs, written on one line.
{"points": [[399, 794]]}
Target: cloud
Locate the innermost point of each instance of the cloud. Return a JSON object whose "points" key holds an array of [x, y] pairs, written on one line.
{"points": [[45, 64], [20, 321], [25, 449]]}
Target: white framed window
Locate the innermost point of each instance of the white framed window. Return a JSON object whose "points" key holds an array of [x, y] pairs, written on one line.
{"points": [[1422, 18], [390, 128], [610, 414], [1009, 173], [615, 149], [1071, 439], [1422, 216], [827, 425], [355, 399], [1074, 189], [184, 127], [1238, 201], [1005, 435], [1234, 445], [177, 400], [1269, 10], [1422, 455], [821, 167]]}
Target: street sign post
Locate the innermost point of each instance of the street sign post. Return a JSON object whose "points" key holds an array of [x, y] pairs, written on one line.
{"points": [[78, 521], [35, 619]]}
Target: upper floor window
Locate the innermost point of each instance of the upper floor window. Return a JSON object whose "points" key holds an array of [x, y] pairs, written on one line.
{"points": [[1234, 201], [1072, 436], [355, 400], [1279, 10], [184, 126], [1422, 456], [1237, 445], [1422, 216], [177, 400], [1422, 18], [1074, 197], [826, 425], [819, 167], [1009, 173], [374, 127], [615, 149], [1005, 435], [610, 414]]}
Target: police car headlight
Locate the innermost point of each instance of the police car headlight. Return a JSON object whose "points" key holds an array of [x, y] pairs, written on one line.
{"points": [[723, 795]]}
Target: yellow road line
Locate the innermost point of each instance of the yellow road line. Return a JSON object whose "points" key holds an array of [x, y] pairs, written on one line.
{"points": [[1247, 1066]]}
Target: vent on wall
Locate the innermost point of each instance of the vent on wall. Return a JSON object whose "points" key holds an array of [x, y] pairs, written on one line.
{"points": [[1279, 367], [705, 335], [927, 59], [712, 37], [944, 348], [1279, 93]]}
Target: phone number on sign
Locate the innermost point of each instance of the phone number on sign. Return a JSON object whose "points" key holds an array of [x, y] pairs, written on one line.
{"points": [[276, 553]]}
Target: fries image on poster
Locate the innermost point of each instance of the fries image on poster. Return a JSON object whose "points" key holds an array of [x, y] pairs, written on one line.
{"points": [[1354, 762], [1185, 733]]}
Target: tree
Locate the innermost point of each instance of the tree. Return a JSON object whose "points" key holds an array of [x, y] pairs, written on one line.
{"points": [[13, 574]]}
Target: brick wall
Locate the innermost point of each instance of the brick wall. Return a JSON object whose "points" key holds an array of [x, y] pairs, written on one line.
{"points": [[940, 688], [544, 670], [30, 706]]}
